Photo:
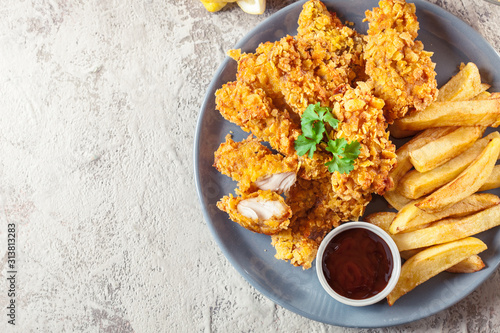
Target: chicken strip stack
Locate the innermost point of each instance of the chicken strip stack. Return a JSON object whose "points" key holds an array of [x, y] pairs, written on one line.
{"points": [[402, 72]]}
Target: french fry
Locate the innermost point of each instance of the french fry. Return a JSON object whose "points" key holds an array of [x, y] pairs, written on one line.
{"points": [[382, 220], [396, 200], [462, 86], [410, 217], [483, 95], [484, 112], [443, 149], [398, 133], [493, 180], [468, 182], [449, 229], [432, 261], [471, 264], [403, 164], [417, 184]]}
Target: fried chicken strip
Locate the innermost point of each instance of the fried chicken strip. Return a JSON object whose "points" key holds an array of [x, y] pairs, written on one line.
{"points": [[254, 111], [362, 119], [402, 72]]}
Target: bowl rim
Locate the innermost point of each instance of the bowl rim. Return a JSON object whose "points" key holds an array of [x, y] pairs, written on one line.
{"points": [[396, 271]]}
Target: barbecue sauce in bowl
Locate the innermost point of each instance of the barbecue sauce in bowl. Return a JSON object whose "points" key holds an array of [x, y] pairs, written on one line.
{"points": [[357, 263]]}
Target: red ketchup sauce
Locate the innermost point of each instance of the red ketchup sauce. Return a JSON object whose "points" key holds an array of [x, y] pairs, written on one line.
{"points": [[357, 263]]}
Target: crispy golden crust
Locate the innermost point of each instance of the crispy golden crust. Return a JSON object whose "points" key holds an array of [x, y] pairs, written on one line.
{"points": [[249, 160], [269, 226], [362, 119], [254, 111], [402, 72]]}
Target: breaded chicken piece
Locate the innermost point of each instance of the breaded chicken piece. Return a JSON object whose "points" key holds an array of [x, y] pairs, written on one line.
{"points": [[324, 55], [402, 72], [254, 111], [254, 166], [263, 211], [361, 118]]}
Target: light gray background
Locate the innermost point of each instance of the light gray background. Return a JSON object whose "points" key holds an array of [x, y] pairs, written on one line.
{"points": [[98, 108]]}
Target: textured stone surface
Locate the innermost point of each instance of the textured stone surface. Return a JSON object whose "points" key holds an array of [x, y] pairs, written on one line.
{"points": [[98, 107]]}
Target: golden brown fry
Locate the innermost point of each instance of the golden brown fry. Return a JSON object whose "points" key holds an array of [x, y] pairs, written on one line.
{"points": [[470, 265], [417, 184], [458, 113], [493, 180], [382, 220], [443, 149], [396, 200], [430, 262], [449, 229], [463, 86], [403, 164], [468, 182], [411, 217], [398, 133]]}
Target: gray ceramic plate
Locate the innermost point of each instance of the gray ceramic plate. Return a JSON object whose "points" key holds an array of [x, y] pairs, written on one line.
{"points": [[252, 255]]}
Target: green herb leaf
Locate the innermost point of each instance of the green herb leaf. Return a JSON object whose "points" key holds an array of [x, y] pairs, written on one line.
{"points": [[303, 145], [331, 120], [344, 155], [313, 122]]}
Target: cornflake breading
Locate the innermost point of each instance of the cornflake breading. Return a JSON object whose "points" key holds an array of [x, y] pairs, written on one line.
{"points": [[254, 111], [362, 119], [402, 72]]}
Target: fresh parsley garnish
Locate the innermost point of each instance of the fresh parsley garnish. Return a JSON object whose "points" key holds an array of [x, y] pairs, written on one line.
{"points": [[313, 124]]}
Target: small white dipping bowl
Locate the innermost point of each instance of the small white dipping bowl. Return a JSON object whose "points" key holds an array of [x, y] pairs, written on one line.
{"points": [[396, 259]]}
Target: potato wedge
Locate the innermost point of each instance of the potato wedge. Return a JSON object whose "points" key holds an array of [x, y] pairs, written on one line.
{"points": [[432, 261], [484, 112], [416, 184], [449, 229], [462, 86], [467, 183], [443, 149], [493, 180], [410, 217]]}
